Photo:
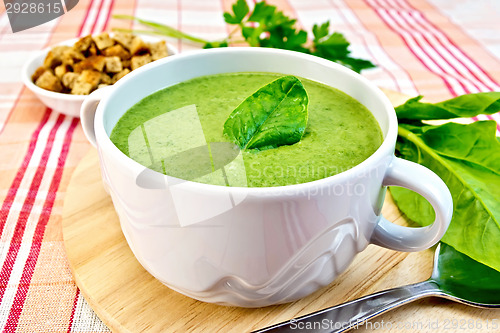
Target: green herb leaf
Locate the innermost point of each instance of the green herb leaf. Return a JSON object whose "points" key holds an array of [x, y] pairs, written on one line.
{"points": [[275, 115], [473, 144], [335, 47], [266, 26], [240, 10], [466, 158], [252, 35], [320, 31], [275, 29], [462, 106], [287, 39], [211, 45], [466, 278], [262, 12], [355, 64]]}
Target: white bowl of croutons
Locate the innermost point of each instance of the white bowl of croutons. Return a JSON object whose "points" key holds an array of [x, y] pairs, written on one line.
{"points": [[62, 76]]}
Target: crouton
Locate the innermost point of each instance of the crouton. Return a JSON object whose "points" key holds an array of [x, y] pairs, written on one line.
{"points": [[102, 85], [138, 61], [81, 88], [69, 79], [98, 62], [49, 81], [83, 43], [55, 56], [117, 50], [72, 56], [92, 51], [90, 76], [106, 79], [92, 62], [60, 70], [52, 60], [158, 50], [125, 39], [139, 47], [38, 72], [60, 49], [113, 64], [103, 41], [126, 63], [81, 66], [121, 74]]}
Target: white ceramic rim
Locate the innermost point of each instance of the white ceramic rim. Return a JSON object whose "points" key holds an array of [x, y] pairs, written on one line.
{"points": [[386, 148], [26, 75]]}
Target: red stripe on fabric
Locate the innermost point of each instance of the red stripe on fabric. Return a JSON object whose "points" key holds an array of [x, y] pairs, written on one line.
{"points": [[11, 194], [73, 310], [443, 40], [85, 18], [428, 59], [446, 56], [393, 77], [443, 51], [22, 170], [410, 48], [109, 15], [106, 17], [13, 107], [97, 17], [447, 50], [75, 300], [28, 204], [30, 264], [6, 47], [29, 267], [455, 45], [423, 47], [16, 240]]}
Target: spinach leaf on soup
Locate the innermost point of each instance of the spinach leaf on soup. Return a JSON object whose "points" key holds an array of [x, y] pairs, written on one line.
{"points": [[273, 116]]}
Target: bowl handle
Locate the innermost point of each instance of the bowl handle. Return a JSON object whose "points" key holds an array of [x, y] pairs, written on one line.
{"points": [[417, 178], [87, 112]]}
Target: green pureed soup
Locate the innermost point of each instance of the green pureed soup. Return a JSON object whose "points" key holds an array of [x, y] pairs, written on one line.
{"points": [[168, 131]]}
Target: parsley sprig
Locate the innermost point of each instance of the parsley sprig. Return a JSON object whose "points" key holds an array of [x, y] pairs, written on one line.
{"points": [[266, 26]]}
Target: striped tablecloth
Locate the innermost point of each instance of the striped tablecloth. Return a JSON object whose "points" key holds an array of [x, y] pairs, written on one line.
{"points": [[437, 48]]}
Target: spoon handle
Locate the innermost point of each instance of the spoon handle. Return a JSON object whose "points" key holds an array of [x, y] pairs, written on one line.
{"points": [[342, 317]]}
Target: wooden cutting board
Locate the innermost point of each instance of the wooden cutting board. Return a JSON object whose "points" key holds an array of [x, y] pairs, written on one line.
{"points": [[129, 299]]}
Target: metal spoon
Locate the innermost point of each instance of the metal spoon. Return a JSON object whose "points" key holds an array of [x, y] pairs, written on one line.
{"points": [[455, 277]]}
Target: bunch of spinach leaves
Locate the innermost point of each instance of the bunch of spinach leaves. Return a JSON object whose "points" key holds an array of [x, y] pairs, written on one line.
{"points": [[266, 26], [467, 158]]}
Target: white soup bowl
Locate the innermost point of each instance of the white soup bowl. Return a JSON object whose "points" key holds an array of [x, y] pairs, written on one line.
{"points": [[255, 247]]}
